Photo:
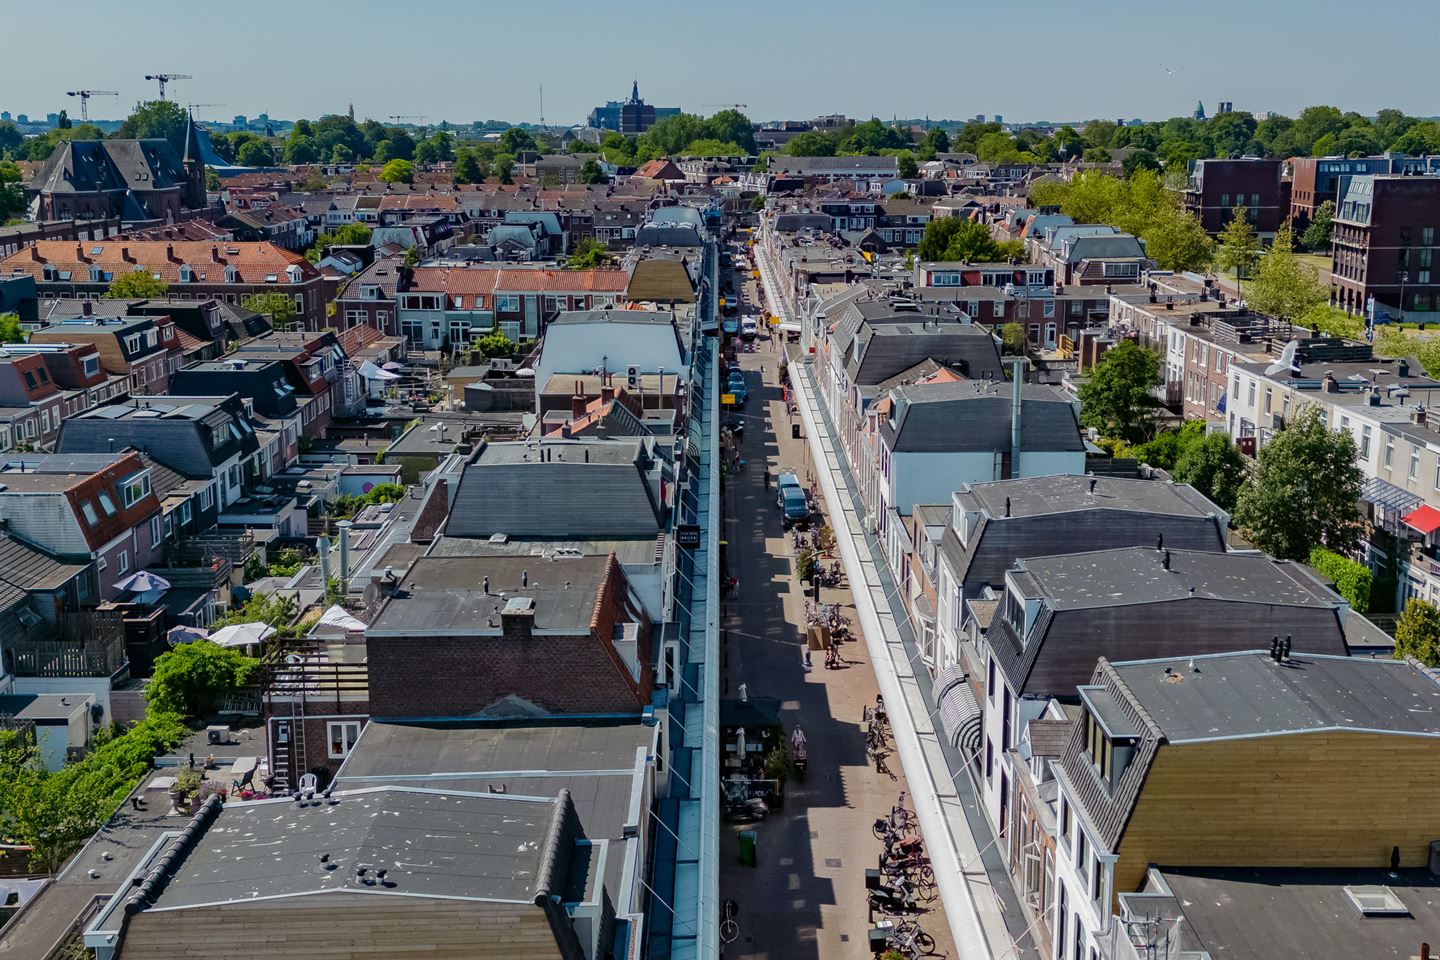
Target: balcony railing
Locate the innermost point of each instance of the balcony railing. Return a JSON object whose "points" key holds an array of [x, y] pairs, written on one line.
{"points": [[90, 643]]}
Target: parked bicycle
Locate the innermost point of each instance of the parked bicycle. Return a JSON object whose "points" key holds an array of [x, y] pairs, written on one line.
{"points": [[907, 937]]}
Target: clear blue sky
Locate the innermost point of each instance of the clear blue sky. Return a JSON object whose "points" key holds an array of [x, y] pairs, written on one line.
{"points": [[465, 60]]}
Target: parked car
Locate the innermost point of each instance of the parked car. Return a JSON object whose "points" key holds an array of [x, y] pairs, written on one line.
{"points": [[749, 329], [736, 385], [790, 498]]}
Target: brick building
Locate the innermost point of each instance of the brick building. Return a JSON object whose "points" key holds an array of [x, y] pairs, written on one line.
{"points": [[503, 636], [1384, 246], [1216, 187], [195, 270], [134, 180]]}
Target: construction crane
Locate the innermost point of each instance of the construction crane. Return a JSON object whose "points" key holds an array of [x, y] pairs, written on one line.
{"points": [[191, 106], [164, 78], [85, 96], [397, 117], [728, 106]]}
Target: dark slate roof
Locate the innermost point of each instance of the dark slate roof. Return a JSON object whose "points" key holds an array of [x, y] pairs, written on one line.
{"points": [[1117, 247], [1067, 493], [453, 844], [881, 350], [1132, 575], [1246, 913], [23, 568], [509, 490], [975, 415], [1048, 737], [654, 235], [1249, 694], [190, 435], [445, 595]]}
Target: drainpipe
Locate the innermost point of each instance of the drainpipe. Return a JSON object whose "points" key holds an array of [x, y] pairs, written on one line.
{"points": [[1017, 372]]}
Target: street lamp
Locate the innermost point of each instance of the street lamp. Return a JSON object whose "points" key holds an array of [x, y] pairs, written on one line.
{"points": [[1404, 278]]}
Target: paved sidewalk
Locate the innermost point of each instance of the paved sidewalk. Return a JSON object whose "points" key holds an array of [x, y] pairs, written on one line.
{"points": [[986, 918], [806, 899]]}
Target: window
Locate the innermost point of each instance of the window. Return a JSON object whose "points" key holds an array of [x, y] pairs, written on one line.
{"points": [[88, 508], [1365, 443], [155, 529], [107, 504], [1049, 310], [122, 562], [185, 512], [30, 379], [1414, 461], [1389, 452], [990, 681], [343, 735], [135, 488], [1066, 815], [207, 497], [1252, 393], [989, 758], [507, 302]]}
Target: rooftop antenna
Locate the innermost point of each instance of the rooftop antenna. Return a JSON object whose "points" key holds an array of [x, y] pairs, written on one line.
{"points": [[164, 78], [542, 104]]}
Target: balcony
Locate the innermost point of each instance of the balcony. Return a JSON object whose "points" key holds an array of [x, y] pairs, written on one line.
{"points": [[87, 643]]}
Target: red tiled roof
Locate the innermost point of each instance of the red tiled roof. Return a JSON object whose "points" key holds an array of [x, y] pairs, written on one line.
{"points": [[563, 281], [255, 260]]}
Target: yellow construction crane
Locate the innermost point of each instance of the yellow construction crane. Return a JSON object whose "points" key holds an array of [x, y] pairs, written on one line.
{"points": [[85, 96], [164, 78]]}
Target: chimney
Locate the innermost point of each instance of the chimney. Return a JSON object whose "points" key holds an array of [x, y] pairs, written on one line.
{"points": [[125, 254], [577, 403], [215, 253], [1402, 367], [169, 253], [1285, 648], [1165, 559], [86, 308], [1017, 369], [1330, 384], [524, 578], [1160, 541], [485, 585], [1275, 648], [80, 254], [1007, 506], [1419, 415], [323, 546], [344, 526], [517, 619], [35, 253], [1093, 481], [607, 393]]}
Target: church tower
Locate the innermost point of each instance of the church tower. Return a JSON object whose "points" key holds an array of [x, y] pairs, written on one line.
{"points": [[194, 197]]}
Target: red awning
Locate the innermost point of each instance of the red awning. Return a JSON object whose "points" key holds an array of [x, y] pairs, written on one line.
{"points": [[1426, 519]]}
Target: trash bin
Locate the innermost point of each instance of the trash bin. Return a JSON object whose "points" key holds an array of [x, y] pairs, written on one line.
{"points": [[747, 847], [794, 431]]}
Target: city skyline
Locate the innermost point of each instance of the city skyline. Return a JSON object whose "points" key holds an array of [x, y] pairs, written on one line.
{"points": [[780, 63]]}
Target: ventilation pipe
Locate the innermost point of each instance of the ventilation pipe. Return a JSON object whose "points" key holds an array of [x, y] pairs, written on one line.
{"points": [[1017, 377], [344, 526], [323, 545]]}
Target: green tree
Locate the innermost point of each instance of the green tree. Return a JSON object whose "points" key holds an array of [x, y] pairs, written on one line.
{"points": [[709, 147], [157, 119], [1117, 397], [958, 238], [1284, 285], [906, 166], [1317, 235], [193, 678], [1417, 633], [10, 139], [255, 153], [467, 167], [1012, 338], [757, 202], [55, 813], [279, 307], [1238, 248], [588, 254], [12, 195], [1175, 240], [1303, 490], [590, 172], [413, 255], [937, 140], [136, 285], [1352, 579], [1213, 466], [398, 171], [301, 150], [1137, 160], [504, 168], [212, 180], [10, 329], [515, 140], [495, 344], [811, 143]]}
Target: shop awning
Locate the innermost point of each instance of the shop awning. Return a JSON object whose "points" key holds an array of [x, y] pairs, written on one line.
{"points": [[960, 714], [1426, 519]]}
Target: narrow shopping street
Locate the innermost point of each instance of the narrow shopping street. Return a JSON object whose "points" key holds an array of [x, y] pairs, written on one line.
{"points": [[806, 896]]}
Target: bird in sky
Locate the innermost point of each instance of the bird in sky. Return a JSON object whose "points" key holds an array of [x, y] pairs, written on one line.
{"points": [[1169, 72]]}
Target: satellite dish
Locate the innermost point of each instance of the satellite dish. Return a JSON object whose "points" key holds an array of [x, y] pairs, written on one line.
{"points": [[1286, 363]]}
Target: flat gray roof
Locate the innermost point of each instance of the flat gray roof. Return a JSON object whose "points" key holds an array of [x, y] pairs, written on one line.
{"points": [[1133, 575], [431, 843], [446, 594], [1250, 695], [558, 451], [1066, 492]]}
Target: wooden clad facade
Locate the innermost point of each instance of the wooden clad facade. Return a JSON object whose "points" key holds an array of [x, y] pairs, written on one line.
{"points": [[345, 926], [1325, 799]]}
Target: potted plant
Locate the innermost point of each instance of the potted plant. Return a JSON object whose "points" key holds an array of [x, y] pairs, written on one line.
{"points": [[185, 788], [777, 768]]}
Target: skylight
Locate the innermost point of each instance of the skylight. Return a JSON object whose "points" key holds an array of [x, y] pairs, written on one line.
{"points": [[1377, 901]]}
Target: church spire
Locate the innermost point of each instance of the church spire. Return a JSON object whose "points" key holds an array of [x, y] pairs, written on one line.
{"points": [[635, 90]]}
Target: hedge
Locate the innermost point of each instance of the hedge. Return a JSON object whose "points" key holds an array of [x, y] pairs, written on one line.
{"points": [[1352, 580]]}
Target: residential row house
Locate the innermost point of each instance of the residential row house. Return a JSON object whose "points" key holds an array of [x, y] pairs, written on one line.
{"points": [[229, 271]]}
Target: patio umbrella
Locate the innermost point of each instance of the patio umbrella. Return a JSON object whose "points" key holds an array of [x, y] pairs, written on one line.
{"points": [[392, 366], [143, 581], [242, 634], [186, 634]]}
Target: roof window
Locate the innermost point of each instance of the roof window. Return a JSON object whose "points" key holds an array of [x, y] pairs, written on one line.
{"points": [[1377, 901]]}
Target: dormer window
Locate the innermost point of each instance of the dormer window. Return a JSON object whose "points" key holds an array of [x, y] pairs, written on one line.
{"points": [[293, 273], [187, 275], [232, 275], [97, 275], [1110, 736], [49, 272]]}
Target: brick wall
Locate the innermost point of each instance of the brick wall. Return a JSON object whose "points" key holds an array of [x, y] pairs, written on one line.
{"points": [[445, 676]]}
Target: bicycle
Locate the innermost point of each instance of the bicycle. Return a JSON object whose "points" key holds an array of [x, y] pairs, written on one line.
{"points": [[900, 815], [729, 929], [909, 939]]}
